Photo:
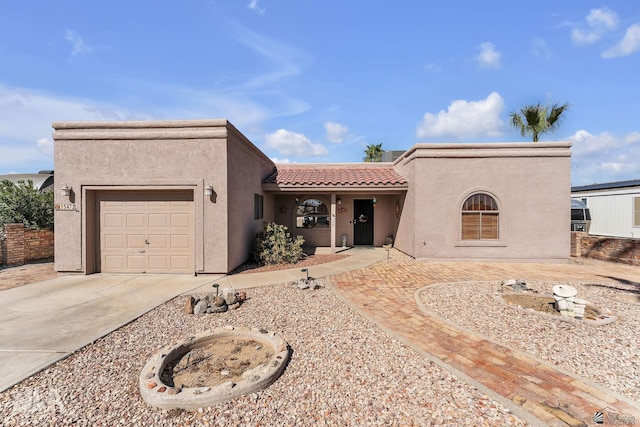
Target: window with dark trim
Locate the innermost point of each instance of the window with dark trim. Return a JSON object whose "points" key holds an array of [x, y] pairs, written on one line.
{"points": [[480, 218], [311, 213], [258, 206]]}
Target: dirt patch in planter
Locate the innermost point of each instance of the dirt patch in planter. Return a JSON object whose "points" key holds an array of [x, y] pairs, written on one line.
{"points": [[544, 304], [307, 261], [224, 360]]}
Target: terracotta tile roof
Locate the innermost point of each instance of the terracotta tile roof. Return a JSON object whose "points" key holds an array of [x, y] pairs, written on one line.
{"points": [[346, 176]]}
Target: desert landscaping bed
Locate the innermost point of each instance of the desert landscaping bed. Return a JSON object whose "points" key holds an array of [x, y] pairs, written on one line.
{"points": [[343, 371], [607, 354]]}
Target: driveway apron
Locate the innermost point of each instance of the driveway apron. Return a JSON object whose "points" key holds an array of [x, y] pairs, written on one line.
{"points": [[44, 322]]}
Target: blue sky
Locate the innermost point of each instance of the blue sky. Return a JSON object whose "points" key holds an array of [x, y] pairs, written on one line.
{"points": [[317, 81]]}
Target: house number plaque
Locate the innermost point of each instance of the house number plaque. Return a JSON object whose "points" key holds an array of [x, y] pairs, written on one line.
{"points": [[65, 207]]}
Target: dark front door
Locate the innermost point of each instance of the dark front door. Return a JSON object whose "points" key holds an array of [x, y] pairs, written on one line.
{"points": [[363, 222]]}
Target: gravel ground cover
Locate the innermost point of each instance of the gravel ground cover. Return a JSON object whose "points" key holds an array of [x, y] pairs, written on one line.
{"points": [[608, 354], [343, 371]]}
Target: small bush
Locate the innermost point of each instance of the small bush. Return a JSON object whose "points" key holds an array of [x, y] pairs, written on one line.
{"points": [[275, 245], [21, 203]]}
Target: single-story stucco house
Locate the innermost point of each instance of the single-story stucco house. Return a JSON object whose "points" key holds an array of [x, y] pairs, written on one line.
{"points": [[188, 196]]}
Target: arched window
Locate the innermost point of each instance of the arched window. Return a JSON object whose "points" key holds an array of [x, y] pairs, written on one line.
{"points": [[311, 213], [480, 218]]}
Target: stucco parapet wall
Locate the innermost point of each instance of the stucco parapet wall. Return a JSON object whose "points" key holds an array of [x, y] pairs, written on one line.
{"points": [[152, 130], [486, 150], [138, 134]]}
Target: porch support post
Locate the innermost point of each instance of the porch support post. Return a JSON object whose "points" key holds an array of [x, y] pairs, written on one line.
{"points": [[333, 223]]}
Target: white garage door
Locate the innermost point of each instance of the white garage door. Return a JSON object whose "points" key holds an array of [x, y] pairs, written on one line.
{"points": [[146, 231]]}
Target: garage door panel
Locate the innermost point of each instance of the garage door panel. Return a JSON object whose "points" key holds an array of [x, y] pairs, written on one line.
{"points": [[180, 262], [136, 241], [113, 220], [158, 220], [136, 263], [180, 241], [136, 220], [146, 231], [158, 241], [114, 262], [159, 263], [180, 220], [113, 241]]}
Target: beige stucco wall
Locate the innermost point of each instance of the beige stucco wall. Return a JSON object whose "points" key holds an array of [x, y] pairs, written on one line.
{"points": [[151, 155], [248, 167], [531, 183]]}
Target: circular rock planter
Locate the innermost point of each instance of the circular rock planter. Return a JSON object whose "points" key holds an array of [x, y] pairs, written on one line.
{"points": [[158, 388]]}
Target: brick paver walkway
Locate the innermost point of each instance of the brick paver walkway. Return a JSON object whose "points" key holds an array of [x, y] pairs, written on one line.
{"points": [[385, 293]]}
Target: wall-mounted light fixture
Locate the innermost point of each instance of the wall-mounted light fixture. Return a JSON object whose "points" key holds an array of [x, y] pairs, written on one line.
{"points": [[208, 191], [375, 201], [339, 201], [65, 190], [398, 208]]}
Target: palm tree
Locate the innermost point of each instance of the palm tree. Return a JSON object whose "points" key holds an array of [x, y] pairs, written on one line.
{"points": [[537, 119], [373, 153]]}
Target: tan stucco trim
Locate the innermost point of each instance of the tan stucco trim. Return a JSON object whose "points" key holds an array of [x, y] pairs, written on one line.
{"points": [[486, 150]]}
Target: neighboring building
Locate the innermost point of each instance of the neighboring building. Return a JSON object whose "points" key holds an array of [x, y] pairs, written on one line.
{"points": [[188, 197], [42, 181], [614, 207]]}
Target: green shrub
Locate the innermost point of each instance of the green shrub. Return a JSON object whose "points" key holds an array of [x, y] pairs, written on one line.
{"points": [[22, 203], [275, 245]]}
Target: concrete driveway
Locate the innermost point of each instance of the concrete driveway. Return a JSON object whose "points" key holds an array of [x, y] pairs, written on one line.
{"points": [[44, 322]]}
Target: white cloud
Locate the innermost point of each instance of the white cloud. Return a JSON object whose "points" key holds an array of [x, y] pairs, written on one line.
{"points": [[465, 119], [77, 43], [25, 125], [336, 132], [277, 160], [253, 5], [488, 56], [294, 144], [286, 60], [540, 48], [599, 21], [629, 44], [45, 145], [605, 157]]}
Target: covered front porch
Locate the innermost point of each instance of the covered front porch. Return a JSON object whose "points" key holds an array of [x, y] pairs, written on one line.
{"points": [[338, 206]]}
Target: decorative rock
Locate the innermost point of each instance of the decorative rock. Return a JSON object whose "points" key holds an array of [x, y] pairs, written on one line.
{"points": [[562, 305], [565, 291], [234, 306], [188, 307], [303, 284], [520, 286], [220, 309], [200, 307], [510, 282], [225, 373], [218, 301], [242, 296], [152, 385], [231, 298]]}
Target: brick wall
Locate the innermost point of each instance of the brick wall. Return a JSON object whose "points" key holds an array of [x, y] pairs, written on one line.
{"points": [[20, 245], [616, 249]]}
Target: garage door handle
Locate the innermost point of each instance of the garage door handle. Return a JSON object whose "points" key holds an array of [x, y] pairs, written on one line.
{"points": [[146, 241], [142, 252]]}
